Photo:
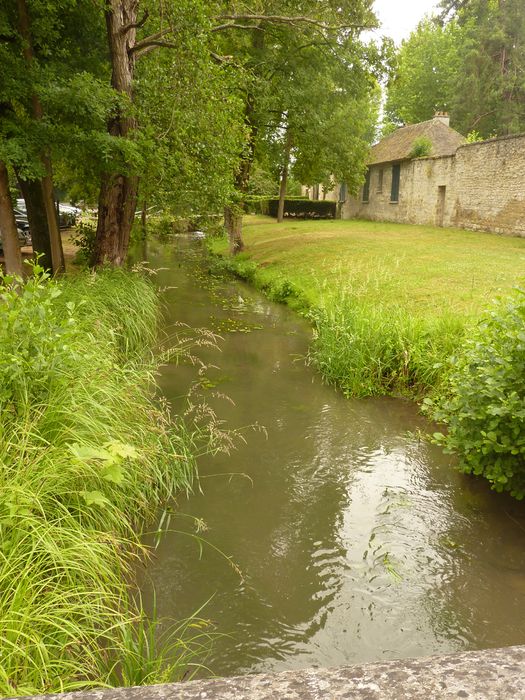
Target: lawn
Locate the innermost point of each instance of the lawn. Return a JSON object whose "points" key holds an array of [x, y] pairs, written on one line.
{"points": [[390, 303], [425, 269]]}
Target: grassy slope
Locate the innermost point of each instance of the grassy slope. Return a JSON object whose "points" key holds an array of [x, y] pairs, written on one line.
{"points": [[411, 288], [426, 269]]}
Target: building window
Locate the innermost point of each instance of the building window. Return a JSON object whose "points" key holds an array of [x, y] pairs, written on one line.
{"points": [[343, 189], [394, 192], [380, 181], [366, 187]]}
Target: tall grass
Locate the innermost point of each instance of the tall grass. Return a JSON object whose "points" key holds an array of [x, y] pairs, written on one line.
{"points": [[375, 350], [86, 457]]}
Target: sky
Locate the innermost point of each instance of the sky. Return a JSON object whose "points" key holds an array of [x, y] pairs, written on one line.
{"points": [[400, 17]]}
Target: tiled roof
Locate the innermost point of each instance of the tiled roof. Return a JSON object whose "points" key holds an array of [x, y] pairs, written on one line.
{"points": [[398, 145]]}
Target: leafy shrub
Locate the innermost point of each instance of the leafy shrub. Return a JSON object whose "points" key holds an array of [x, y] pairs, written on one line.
{"points": [[474, 136], [165, 225], [421, 147], [280, 290], [484, 402]]}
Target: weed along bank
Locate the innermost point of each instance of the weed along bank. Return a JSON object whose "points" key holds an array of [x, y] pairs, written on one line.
{"points": [[427, 174], [87, 457]]}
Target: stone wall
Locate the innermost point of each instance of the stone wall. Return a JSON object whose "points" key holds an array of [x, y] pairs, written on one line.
{"points": [[379, 207], [481, 187], [492, 674], [490, 186]]}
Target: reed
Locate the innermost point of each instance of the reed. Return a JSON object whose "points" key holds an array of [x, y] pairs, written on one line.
{"points": [[86, 457], [372, 350]]}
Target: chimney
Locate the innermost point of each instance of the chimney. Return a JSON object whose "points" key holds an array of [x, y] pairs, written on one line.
{"points": [[443, 118]]}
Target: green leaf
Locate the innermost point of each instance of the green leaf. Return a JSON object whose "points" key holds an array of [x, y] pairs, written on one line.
{"points": [[86, 453], [114, 473], [120, 449], [94, 498]]}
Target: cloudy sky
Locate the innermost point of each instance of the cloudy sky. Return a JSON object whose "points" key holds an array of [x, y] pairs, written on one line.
{"points": [[400, 17]]}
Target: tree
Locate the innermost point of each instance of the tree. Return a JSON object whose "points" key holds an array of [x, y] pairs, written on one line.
{"points": [[266, 41], [331, 115], [36, 112], [189, 121], [424, 79], [469, 60], [490, 89], [8, 229], [44, 57], [156, 146]]}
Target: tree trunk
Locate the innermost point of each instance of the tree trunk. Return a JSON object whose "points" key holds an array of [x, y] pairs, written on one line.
{"points": [[8, 229], [118, 193], [284, 176], [46, 183], [55, 238], [37, 218], [116, 209], [232, 214], [233, 225]]}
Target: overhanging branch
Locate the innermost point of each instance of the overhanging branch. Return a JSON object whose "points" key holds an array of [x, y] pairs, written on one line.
{"points": [[220, 59], [283, 19], [150, 42], [234, 25], [147, 46]]}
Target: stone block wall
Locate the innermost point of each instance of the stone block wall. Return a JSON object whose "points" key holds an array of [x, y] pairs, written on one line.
{"points": [[433, 191], [481, 187], [490, 186], [379, 207]]}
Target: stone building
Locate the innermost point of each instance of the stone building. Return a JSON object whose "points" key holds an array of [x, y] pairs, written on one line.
{"points": [[478, 186]]}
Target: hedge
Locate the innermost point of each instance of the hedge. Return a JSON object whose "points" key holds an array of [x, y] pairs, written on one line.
{"points": [[304, 208]]}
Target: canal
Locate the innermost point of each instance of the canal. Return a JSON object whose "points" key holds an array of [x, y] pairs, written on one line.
{"points": [[351, 539]]}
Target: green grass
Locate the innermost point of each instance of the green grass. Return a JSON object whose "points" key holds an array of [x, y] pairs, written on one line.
{"points": [[389, 302], [86, 458]]}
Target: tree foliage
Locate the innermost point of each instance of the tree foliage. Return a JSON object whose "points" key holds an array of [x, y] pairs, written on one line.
{"points": [[171, 104], [424, 77], [309, 81], [468, 60]]}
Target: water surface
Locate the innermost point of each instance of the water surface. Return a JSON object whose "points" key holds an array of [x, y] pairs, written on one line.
{"points": [[356, 541]]}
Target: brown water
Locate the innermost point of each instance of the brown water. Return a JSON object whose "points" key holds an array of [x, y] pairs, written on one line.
{"points": [[356, 540]]}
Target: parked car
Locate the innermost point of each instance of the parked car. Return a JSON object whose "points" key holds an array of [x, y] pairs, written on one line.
{"points": [[68, 215], [23, 226]]}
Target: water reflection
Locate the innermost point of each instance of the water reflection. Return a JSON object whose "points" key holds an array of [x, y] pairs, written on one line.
{"points": [[356, 541]]}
